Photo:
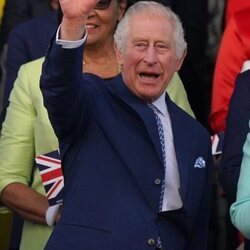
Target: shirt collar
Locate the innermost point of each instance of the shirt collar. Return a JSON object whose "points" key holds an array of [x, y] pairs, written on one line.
{"points": [[161, 105]]}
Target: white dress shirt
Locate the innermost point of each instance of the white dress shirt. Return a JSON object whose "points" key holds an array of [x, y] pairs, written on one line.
{"points": [[70, 44]]}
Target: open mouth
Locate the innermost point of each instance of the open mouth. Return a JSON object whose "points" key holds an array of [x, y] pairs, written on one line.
{"points": [[148, 76], [91, 26]]}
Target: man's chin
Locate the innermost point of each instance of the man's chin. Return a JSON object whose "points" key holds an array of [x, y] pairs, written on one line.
{"points": [[149, 97]]}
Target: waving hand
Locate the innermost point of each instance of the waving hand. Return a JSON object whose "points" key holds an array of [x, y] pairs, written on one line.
{"points": [[75, 13]]}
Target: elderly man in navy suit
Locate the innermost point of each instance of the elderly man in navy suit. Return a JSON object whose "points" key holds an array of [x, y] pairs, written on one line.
{"points": [[136, 167]]}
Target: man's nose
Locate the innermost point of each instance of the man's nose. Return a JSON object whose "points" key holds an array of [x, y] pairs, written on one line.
{"points": [[150, 56]]}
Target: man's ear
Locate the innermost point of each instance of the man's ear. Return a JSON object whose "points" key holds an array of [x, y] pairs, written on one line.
{"points": [[119, 55], [180, 60]]}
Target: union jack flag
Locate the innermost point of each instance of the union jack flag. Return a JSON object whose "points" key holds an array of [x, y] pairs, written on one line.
{"points": [[49, 166]]}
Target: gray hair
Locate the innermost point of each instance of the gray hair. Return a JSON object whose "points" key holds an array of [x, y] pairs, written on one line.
{"points": [[155, 8]]}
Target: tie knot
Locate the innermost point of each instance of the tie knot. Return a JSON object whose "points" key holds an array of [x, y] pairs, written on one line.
{"points": [[155, 109]]}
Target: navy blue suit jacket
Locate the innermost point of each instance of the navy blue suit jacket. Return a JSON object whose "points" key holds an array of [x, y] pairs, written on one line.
{"points": [[27, 42], [111, 155], [235, 135]]}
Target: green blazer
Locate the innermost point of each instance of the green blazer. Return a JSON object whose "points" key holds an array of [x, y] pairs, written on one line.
{"points": [[27, 132]]}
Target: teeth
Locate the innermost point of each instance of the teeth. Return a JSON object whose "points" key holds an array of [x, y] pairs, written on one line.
{"points": [[90, 26], [149, 76]]}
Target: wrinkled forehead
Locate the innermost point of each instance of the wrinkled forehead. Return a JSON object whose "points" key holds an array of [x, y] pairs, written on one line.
{"points": [[149, 15], [150, 22]]}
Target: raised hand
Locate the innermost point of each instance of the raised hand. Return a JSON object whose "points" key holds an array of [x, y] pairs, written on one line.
{"points": [[75, 13], [77, 8]]}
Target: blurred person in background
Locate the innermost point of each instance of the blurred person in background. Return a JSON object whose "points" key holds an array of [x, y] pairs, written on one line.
{"points": [[233, 57], [237, 127], [15, 13]]}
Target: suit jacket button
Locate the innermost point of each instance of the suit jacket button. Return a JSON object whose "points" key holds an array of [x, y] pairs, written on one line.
{"points": [[151, 242], [157, 182]]}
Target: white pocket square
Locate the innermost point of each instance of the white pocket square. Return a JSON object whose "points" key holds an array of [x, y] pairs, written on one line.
{"points": [[200, 163]]}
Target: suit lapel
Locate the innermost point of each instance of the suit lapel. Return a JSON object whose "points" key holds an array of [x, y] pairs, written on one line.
{"points": [[144, 112]]}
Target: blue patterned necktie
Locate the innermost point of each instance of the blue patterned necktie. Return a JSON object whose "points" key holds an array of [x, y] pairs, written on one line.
{"points": [[162, 141]]}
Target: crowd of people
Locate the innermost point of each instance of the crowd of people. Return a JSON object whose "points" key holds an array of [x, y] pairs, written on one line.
{"points": [[117, 88]]}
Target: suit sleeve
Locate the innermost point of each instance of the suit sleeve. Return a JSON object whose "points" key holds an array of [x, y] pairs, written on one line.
{"points": [[61, 85], [240, 210], [235, 136]]}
